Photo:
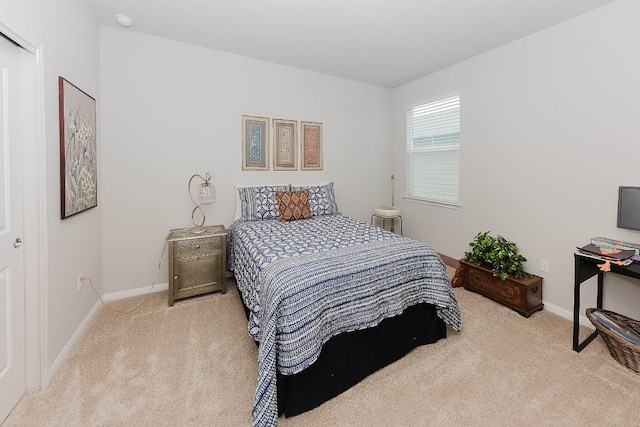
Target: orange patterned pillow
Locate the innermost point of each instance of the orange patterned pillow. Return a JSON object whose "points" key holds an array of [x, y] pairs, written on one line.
{"points": [[293, 205]]}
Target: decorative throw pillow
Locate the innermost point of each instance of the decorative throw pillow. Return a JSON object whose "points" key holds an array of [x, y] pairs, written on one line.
{"points": [[321, 198], [259, 203], [293, 205], [241, 202]]}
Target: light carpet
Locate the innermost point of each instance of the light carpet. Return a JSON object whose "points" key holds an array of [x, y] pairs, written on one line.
{"points": [[194, 364]]}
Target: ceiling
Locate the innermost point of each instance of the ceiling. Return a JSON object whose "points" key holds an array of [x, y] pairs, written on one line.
{"points": [[382, 42]]}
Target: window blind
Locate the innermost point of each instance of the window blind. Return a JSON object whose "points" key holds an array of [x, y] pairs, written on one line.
{"points": [[433, 151]]}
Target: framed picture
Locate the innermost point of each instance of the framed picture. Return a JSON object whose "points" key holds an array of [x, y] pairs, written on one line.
{"points": [[78, 157], [311, 145], [285, 145], [255, 143]]}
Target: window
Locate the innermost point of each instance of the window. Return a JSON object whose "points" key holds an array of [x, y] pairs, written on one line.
{"points": [[433, 151]]}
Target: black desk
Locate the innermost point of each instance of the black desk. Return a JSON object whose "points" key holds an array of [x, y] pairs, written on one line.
{"points": [[586, 268]]}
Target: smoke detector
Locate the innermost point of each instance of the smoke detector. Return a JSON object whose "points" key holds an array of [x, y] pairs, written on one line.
{"points": [[124, 21]]}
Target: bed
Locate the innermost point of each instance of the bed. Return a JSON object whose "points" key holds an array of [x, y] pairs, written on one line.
{"points": [[329, 299]]}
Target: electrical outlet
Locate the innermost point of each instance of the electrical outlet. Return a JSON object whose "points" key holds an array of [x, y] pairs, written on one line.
{"points": [[81, 279], [544, 265]]}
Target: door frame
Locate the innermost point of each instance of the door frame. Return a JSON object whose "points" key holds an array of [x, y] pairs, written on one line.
{"points": [[35, 217]]}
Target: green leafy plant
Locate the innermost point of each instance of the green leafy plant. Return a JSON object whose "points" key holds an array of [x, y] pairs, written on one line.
{"points": [[500, 254]]}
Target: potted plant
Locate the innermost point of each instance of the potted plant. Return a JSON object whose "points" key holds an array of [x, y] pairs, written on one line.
{"points": [[498, 253], [493, 267]]}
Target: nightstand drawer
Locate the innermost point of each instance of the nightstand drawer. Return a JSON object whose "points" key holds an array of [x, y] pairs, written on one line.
{"points": [[198, 248]]}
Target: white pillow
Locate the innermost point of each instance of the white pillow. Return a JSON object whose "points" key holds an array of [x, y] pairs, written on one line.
{"points": [[321, 198], [238, 212], [319, 184]]}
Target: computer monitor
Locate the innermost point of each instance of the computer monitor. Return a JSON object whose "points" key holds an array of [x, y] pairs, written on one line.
{"points": [[629, 208]]}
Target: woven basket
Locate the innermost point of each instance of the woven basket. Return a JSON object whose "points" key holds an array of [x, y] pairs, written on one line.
{"points": [[622, 350]]}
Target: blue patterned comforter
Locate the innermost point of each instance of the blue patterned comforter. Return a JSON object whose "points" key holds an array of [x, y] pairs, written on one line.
{"points": [[307, 281]]}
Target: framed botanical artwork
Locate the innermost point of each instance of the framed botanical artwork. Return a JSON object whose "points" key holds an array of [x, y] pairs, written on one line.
{"points": [[255, 143], [78, 157], [285, 145], [311, 135]]}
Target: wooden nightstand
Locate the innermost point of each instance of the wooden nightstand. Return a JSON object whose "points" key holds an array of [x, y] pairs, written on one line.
{"points": [[197, 261]]}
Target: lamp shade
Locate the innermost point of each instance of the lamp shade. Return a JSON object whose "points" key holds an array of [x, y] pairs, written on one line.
{"points": [[206, 193]]}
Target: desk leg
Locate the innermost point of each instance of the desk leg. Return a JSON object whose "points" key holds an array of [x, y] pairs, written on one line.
{"points": [[576, 307], [600, 286], [577, 345]]}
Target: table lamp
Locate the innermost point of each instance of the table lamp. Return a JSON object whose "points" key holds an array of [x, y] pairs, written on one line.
{"points": [[206, 195]]}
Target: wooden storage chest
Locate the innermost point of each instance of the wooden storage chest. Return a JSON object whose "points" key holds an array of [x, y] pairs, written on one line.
{"points": [[522, 295]]}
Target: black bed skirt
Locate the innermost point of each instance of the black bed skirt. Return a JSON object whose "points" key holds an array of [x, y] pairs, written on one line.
{"points": [[348, 358]]}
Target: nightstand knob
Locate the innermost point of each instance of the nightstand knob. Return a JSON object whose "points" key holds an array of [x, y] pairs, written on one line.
{"points": [[175, 277]]}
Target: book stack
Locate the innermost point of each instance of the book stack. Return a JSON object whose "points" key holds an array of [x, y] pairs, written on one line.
{"points": [[604, 242], [607, 255]]}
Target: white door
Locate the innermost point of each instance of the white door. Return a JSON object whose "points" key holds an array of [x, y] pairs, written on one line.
{"points": [[12, 339]]}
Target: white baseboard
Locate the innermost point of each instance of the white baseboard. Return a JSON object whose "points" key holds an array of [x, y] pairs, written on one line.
{"points": [[567, 314], [63, 354], [106, 297], [135, 292]]}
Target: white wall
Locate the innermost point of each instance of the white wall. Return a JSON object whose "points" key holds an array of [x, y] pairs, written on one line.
{"points": [[69, 36], [549, 132], [548, 136], [169, 110]]}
